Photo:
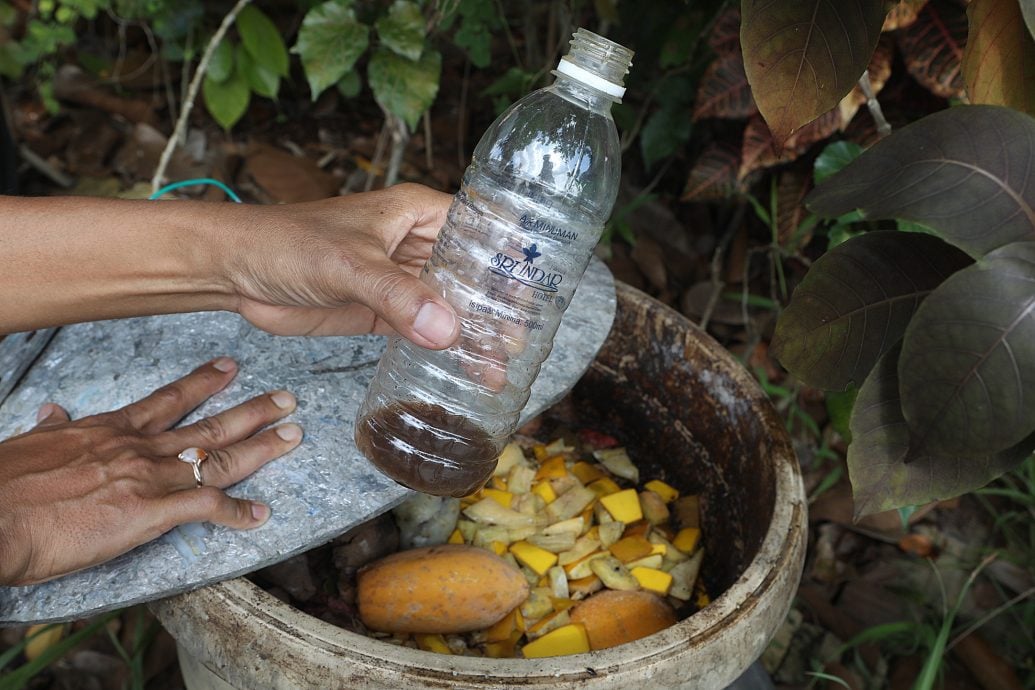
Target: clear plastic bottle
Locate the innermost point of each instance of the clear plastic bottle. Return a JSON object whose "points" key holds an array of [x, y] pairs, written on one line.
{"points": [[518, 238]]}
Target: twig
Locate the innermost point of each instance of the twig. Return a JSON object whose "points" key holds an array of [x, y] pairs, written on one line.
{"points": [[400, 134], [379, 152], [192, 92], [429, 156], [883, 128], [32, 158], [989, 616]]}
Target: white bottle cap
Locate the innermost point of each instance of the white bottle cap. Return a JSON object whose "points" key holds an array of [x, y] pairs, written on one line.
{"points": [[581, 74]]}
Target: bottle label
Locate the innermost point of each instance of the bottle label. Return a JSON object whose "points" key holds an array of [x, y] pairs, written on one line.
{"points": [[525, 271], [543, 227]]}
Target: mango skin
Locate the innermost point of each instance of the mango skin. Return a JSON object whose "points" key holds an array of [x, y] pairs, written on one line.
{"points": [[613, 617], [451, 588]]}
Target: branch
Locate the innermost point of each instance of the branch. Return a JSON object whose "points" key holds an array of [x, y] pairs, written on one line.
{"points": [[883, 128], [192, 92]]}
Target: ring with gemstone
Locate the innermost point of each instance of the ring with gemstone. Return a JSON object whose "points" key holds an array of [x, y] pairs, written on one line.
{"points": [[195, 456]]}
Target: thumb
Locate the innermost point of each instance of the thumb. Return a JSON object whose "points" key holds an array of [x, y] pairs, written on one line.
{"points": [[408, 305], [50, 414]]}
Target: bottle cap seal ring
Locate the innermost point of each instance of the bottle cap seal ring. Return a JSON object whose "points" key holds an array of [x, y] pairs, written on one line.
{"points": [[590, 79]]}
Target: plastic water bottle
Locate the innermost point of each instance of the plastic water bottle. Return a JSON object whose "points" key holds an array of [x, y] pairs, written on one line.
{"points": [[518, 237]]}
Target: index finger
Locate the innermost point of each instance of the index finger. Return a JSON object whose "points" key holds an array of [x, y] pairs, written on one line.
{"points": [[172, 402]]}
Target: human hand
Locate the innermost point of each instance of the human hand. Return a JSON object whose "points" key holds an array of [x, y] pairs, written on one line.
{"points": [[77, 493], [344, 266]]}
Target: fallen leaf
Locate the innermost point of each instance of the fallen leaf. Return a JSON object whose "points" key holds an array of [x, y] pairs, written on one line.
{"points": [[287, 178]]}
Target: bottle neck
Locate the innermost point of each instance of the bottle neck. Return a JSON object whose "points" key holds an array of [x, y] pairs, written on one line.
{"points": [[585, 96]]}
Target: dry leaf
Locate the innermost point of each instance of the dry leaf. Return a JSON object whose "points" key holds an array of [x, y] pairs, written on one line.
{"points": [[714, 175], [903, 14], [287, 178], [724, 90], [932, 47]]}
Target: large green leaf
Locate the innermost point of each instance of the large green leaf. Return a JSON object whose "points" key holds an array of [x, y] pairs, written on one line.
{"points": [[968, 357], [221, 64], [262, 80], [404, 87], [802, 56], [402, 29], [965, 172], [999, 60], [881, 480], [329, 42], [227, 101], [262, 39], [855, 302]]}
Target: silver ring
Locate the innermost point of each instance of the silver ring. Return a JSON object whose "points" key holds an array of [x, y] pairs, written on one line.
{"points": [[194, 456]]}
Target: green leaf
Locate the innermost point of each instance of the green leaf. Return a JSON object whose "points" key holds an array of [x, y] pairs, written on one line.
{"points": [[349, 86], [402, 29], [803, 56], [8, 14], [262, 39], [833, 158], [329, 42], [855, 303], [404, 87], [262, 81], [10, 66], [228, 101], [221, 65], [880, 439], [965, 172], [839, 406], [968, 357], [664, 134], [475, 40], [999, 59]]}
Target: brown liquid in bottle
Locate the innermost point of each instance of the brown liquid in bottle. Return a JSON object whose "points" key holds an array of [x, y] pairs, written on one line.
{"points": [[427, 448]]}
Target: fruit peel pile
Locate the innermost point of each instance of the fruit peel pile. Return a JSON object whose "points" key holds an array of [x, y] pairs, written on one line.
{"points": [[558, 554]]}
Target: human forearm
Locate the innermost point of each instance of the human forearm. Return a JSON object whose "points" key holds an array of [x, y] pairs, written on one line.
{"points": [[65, 260]]}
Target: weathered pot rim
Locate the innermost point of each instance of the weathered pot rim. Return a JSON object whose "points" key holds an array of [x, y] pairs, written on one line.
{"points": [[780, 557]]}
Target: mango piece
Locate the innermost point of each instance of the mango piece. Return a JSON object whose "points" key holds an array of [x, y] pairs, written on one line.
{"points": [[520, 478], [586, 472], [502, 629], [432, 643], [654, 509], [584, 546], [568, 639], [612, 618], [42, 637], [631, 548], [456, 537], [554, 543], [686, 540], [613, 573], [510, 457], [552, 468], [584, 586], [489, 511], [652, 579], [544, 490], [623, 506], [617, 461], [537, 605], [539, 560], [666, 492], [655, 560], [603, 487], [570, 503], [687, 511], [574, 525], [448, 588], [504, 498], [584, 567], [549, 622]]}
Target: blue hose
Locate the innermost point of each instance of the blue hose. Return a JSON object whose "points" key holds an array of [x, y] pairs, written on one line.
{"points": [[191, 183]]}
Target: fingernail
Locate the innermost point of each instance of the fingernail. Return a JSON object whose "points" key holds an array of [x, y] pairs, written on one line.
{"points": [[289, 432], [44, 412], [260, 512], [224, 364], [434, 322], [283, 400]]}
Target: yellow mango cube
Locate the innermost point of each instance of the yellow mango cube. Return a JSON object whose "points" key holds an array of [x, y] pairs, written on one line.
{"points": [[631, 548], [432, 643], [498, 547], [504, 498], [686, 540], [456, 537], [653, 579], [545, 491], [539, 560], [623, 506], [567, 639], [605, 486], [585, 472], [503, 629], [552, 468], [667, 493]]}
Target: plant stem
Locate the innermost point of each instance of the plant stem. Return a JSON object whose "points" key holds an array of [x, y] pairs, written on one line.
{"points": [[192, 93], [883, 128], [400, 135]]}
